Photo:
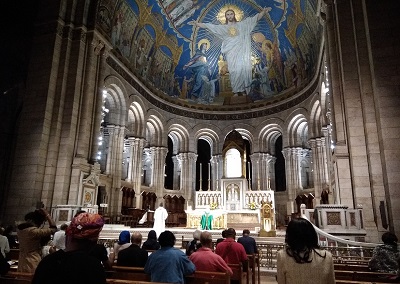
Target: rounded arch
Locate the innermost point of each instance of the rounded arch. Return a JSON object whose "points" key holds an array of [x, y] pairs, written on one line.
{"points": [[268, 135], [155, 130], [136, 122], [297, 129], [315, 125], [114, 100], [180, 138], [210, 136]]}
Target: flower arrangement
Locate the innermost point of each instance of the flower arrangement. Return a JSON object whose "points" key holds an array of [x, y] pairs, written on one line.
{"points": [[213, 205], [253, 205]]}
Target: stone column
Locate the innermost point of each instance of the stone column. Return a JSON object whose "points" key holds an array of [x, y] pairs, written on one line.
{"points": [[290, 182], [216, 167], [176, 173], [256, 160], [271, 172], [158, 173]]}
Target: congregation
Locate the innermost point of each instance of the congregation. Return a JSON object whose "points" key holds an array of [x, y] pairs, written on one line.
{"points": [[76, 257]]}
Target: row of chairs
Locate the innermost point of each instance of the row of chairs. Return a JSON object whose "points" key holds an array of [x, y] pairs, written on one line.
{"points": [[350, 272], [130, 275], [199, 277]]}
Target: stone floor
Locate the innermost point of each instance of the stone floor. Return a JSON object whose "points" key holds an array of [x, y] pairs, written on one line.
{"points": [[268, 279]]}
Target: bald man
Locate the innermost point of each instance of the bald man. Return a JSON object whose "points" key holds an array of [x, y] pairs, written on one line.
{"points": [[205, 259], [134, 255]]}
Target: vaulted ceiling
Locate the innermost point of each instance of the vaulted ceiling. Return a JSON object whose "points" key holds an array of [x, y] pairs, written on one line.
{"points": [[158, 43]]}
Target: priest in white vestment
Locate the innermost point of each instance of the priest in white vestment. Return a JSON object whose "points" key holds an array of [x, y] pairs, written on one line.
{"points": [[160, 215]]}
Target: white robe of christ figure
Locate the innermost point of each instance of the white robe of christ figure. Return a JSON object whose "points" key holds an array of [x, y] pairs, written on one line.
{"points": [[236, 47]]}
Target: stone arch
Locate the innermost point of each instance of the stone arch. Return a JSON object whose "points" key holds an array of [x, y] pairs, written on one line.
{"points": [[136, 119], [315, 126], [155, 130], [180, 138], [114, 100], [297, 129], [268, 134]]}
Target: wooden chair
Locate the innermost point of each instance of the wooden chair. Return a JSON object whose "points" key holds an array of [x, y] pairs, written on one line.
{"points": [[11, 280], [128, 273], [122, 281], [206, 277], [14, 277], [351, 267], [238, 273], [254, 267], [366, 276], [357, 282]]}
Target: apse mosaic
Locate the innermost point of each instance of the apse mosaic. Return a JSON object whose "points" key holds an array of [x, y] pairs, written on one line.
{"points": [[216, 52]]}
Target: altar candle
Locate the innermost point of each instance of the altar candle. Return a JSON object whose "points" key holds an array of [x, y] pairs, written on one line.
{"points": [[209, 171], [200, 172]]}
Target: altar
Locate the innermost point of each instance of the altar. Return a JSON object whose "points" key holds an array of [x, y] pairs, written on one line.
{"points": [[233, 206]]}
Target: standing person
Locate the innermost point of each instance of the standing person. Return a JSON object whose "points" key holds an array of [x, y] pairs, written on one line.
{"points": [[59, 237], [30, 237], [302, 261], [124, 241], [236, 47], [168, 264], [205, 259], [133, 255], [160, 215], [206, 220], [231, 251], [248, 242], [4, 245], [386, 257], [151, 243], [75, 264]]}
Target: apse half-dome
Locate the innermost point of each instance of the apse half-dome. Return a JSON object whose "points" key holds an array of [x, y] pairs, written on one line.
{"points": [[189, 54]]}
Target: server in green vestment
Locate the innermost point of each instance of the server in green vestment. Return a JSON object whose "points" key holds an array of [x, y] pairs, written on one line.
{"points": [[206, 220]]}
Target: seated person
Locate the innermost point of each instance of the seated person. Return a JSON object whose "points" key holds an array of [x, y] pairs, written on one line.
{"points": [[223, 234], [385, 258], [205, 259], [151, 243], [133, 255], [168, 264], [75, 264], [193, 245], [124, 241], [248, 242], [231, 251]]}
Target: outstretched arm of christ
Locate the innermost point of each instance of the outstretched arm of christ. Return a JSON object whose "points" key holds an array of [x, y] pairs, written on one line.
{"points": [[197, 24], [263, 13]]}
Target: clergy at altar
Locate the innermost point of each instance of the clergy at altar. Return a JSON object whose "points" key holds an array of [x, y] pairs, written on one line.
{"points": [[160, 215], [206, 220]]}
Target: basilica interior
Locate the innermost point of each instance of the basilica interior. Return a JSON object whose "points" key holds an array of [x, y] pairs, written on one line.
{"points": [[103, 107]]}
